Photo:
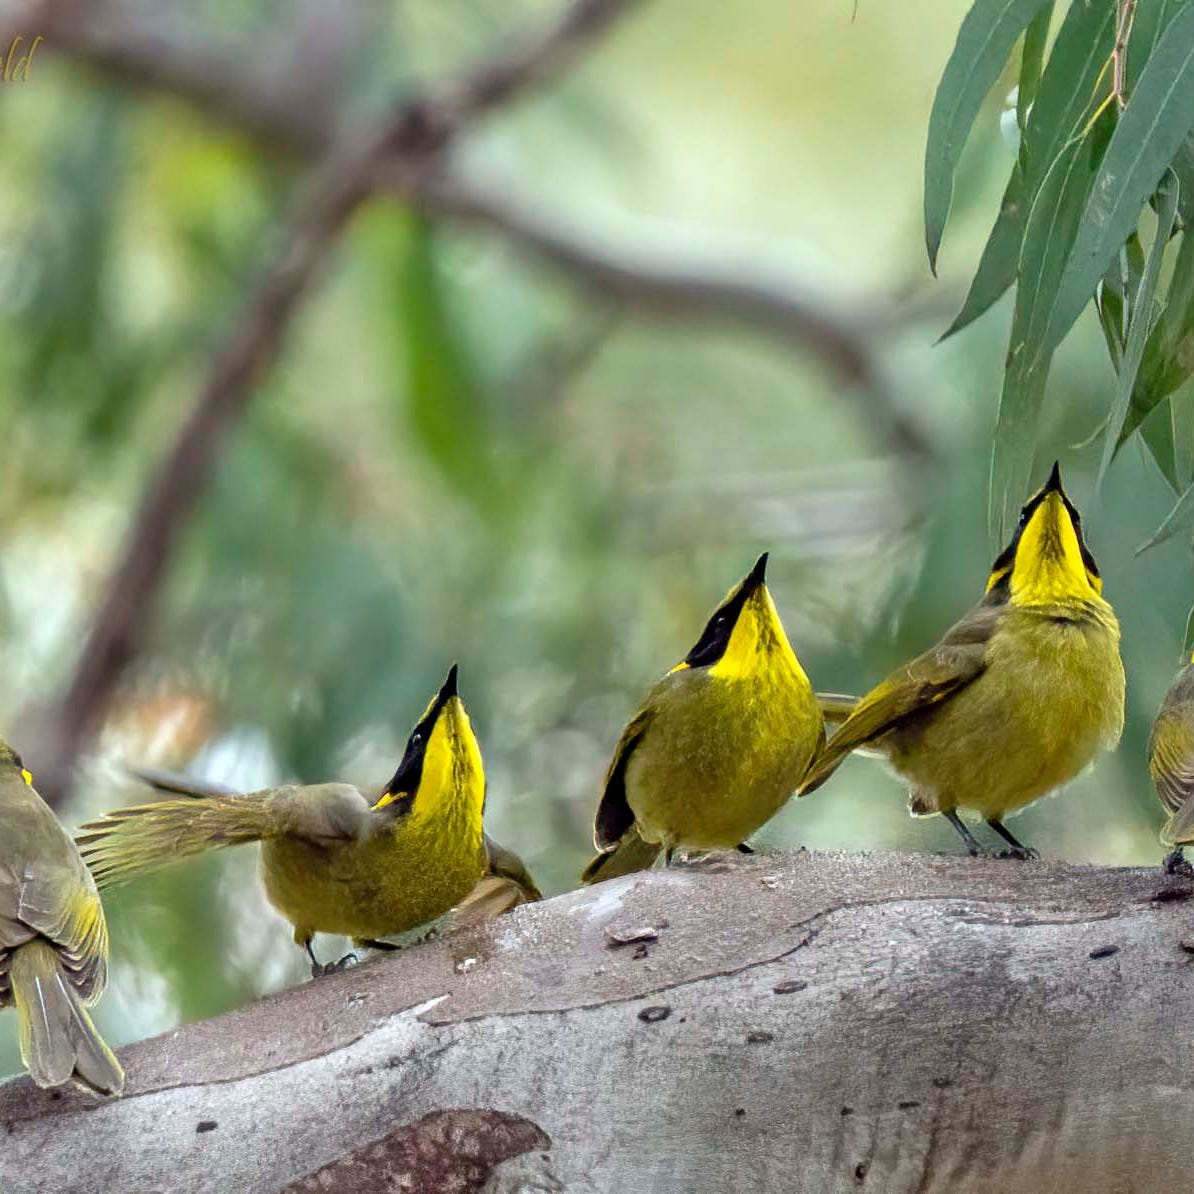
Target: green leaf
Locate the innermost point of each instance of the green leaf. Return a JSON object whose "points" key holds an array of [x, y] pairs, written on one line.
{"points": [[1069, 90], [1169, 354], [1157, 434], [1183, 167], [1150, 21], [1147, 136], [1188, 639], [1181, 418], [444, 408], [1050, 230], [1180, 518], [1032, 58], [1141, 321], [988, 33]]}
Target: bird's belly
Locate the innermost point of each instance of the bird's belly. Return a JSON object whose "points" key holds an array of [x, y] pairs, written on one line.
{"points": [[1030, 723], [710, 788], [374, 888]]}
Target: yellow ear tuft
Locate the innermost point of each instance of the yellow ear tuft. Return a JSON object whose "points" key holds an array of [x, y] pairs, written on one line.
{"points": [[27, 776]]}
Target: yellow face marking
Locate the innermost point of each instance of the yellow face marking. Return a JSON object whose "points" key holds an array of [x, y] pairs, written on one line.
{"points": [[681, 666], [757, 633], [1048, 567], [27, 776], [996, 577], [453, 776]]}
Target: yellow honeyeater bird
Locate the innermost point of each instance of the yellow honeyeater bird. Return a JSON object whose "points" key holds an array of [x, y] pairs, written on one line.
{"points": [[1016, 699], [1171, 765], [332, 860], [53, 940], [717, 747]]}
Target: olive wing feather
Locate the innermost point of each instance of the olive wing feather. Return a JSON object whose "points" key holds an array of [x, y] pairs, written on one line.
{"points": [[614, 814], [46, 890], [926, 681]]}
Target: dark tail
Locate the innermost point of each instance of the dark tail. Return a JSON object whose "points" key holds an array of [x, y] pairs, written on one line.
{"points": [[631, 854], [59, 1042]]}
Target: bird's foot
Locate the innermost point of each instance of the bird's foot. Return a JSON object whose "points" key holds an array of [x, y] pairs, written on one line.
{"points": [[1175, 864], [322, 971], [1021, 853]]}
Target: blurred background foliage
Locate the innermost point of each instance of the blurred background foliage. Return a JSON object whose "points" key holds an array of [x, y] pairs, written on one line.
{"points": [[461, 457]]}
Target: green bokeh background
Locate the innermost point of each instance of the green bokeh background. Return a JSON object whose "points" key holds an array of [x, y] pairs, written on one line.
{"points": [[460, 457]]}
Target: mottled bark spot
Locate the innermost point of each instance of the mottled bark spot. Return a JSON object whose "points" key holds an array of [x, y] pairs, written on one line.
{"points": [[450, 1152]]}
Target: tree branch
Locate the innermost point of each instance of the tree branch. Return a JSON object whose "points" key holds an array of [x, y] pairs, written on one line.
{"points": [[227, 90], [414, 134], [804, 1023]]}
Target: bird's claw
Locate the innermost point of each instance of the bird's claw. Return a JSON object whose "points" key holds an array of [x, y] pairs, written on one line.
{"points": [[1021, 853], [1175, 864], [318, 971]]}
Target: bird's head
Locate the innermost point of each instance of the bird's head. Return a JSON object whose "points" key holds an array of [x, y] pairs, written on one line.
{"points": [[743, 632], [1047, 562], [441, 769]]}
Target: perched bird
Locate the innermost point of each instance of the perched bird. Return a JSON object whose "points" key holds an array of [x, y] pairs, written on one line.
{"points": [[1171, 764], [506, 884], [332, 860], [53, 941], [717, 747], [1016, 699]]}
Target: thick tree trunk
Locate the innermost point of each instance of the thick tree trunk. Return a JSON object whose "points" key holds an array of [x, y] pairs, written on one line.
{"points": [[797, 1023]]}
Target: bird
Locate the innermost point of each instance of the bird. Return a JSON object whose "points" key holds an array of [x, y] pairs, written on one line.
{"points": [[506, 884], [332, 859], [718, 745], [1171, 765], [53, 941], [1017, 697]]}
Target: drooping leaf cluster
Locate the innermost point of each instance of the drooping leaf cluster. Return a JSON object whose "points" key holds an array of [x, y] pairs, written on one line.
{"points": [[1099, 209]]}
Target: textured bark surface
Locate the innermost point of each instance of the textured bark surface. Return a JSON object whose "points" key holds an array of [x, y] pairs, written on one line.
{"points": [[791, 1023]]}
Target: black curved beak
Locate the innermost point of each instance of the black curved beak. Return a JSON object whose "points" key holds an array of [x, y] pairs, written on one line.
{"points": [[758, 574], [449, 686], [1053, 485]]}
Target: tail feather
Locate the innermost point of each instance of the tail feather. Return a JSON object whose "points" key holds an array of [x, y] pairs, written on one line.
{"points": [[59, 1043], [836, 706], [129, 842], [632, 853]]}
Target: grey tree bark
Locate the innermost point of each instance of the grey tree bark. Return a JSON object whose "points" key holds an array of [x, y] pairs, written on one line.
{"points": [[779, 1023]]}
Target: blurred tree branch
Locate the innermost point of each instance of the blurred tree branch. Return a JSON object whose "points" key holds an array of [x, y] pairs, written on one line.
{"points": [[415, 133], [229, 90], [404, 157]]}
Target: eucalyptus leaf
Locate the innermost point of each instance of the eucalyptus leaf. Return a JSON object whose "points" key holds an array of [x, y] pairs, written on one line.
{"points": [[1049, 232], [1169, 353], [1032, 59], [1181, 419], [1067, 96], [1179, 519], [1141, 320], [1147, 136], [988, 33], [1158, 436]]}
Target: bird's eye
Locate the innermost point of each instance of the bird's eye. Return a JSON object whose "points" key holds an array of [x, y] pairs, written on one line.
{"points": [[416, 739]]}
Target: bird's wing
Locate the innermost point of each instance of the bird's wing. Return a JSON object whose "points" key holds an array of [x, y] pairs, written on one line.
{"points": [[1171, 765], [614, 814], [505, 864], [46, 890], [929, 679]]}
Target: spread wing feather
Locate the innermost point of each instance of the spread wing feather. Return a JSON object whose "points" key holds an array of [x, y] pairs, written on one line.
{"points": [[926, 681]]}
